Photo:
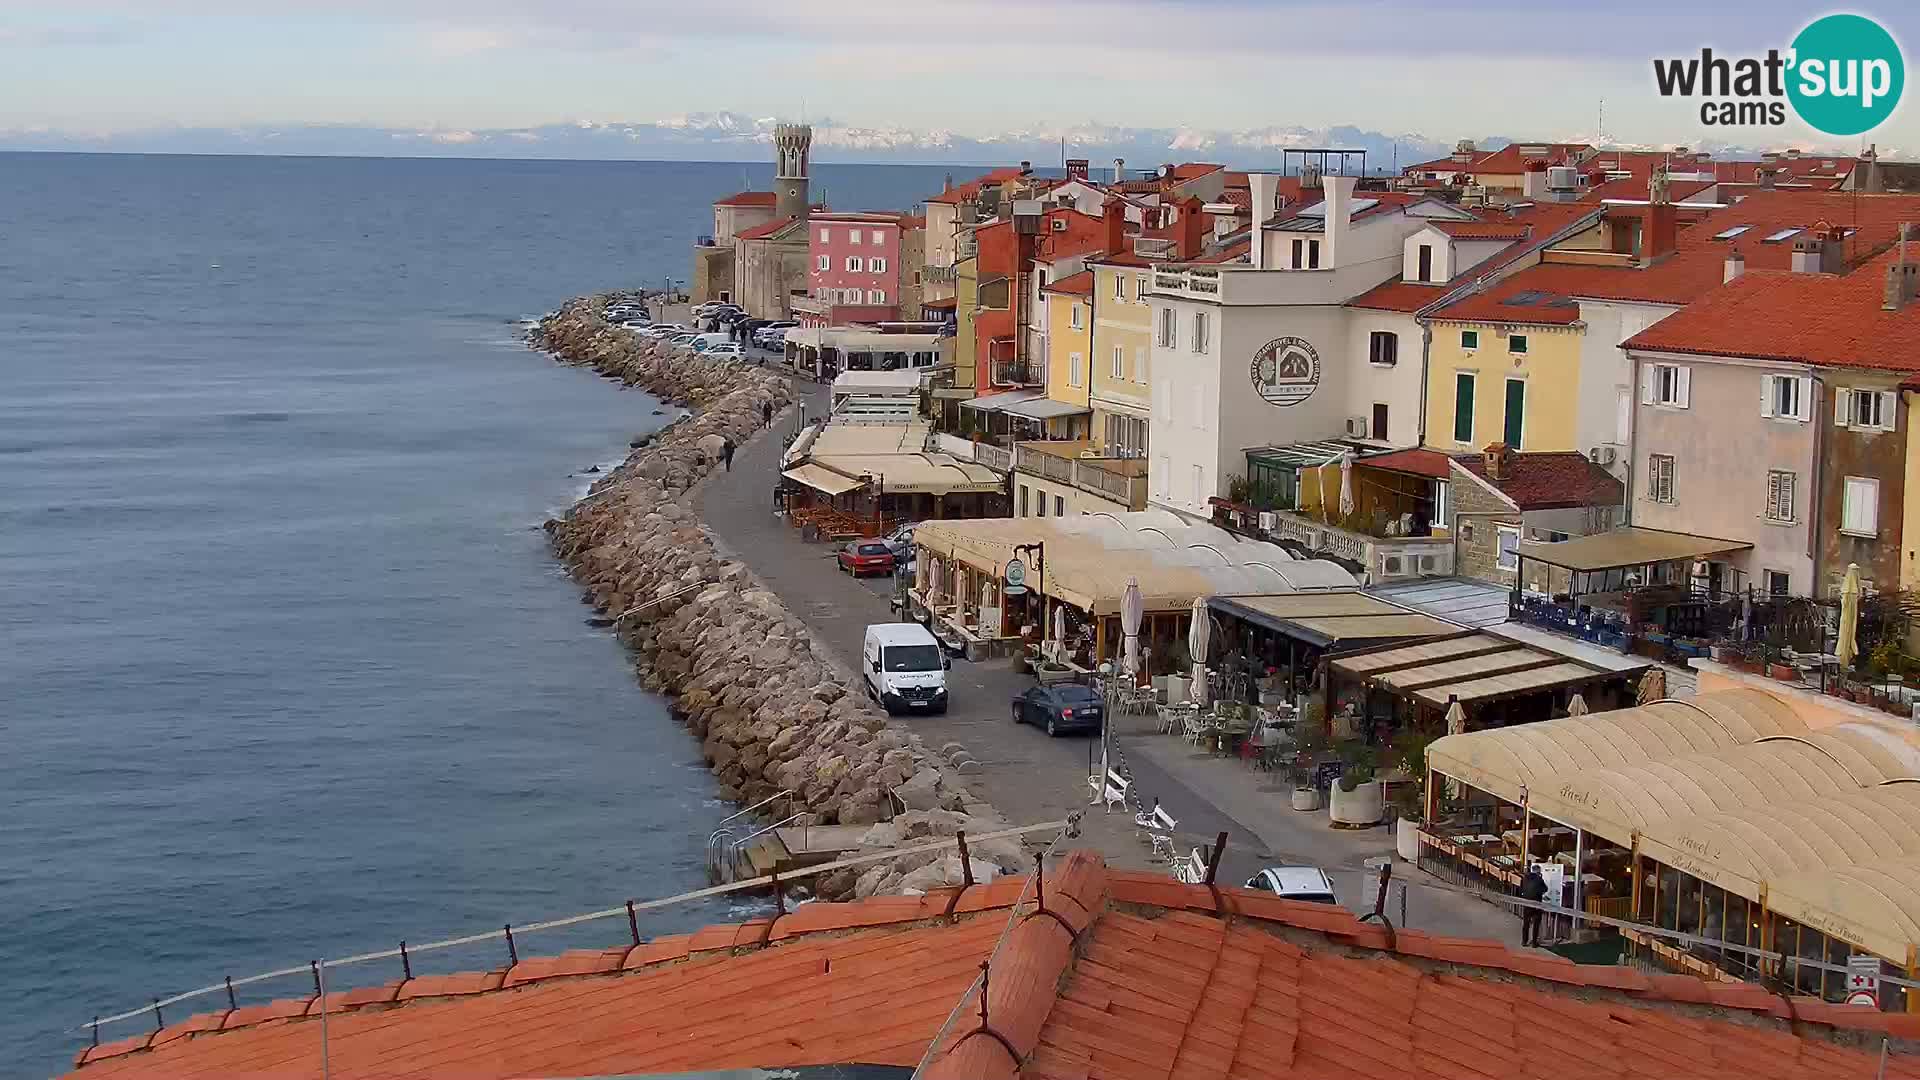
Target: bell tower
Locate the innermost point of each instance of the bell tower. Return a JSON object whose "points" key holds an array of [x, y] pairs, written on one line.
{"points": [[791, 143]]}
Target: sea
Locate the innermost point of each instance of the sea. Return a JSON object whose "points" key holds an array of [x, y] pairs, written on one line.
{"points": [[287, 671]]}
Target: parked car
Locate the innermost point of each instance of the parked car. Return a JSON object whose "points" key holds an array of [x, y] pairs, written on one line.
{"points": [[904, 667], [1059, 708], [868, 556], [664, 330], [703, 342], [682, 338], [729, 349], [635, 324], [1306, 883], [900, 541]]}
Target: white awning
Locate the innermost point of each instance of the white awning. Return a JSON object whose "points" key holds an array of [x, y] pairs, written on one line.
{"points": [[1045, 409], [999, 402], [822, 479]]}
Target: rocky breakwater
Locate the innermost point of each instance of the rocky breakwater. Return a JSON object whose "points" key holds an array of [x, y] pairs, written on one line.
{"points": [[774, 713]]}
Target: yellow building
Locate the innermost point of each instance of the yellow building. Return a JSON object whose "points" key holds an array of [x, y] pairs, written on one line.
{"points": [[1069, 344], [1505, 371], [1121, 397]]}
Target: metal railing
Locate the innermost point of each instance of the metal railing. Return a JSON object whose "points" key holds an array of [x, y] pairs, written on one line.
{"points": [[993, 457], [720, 841], [1015, 373], [510, 934]]}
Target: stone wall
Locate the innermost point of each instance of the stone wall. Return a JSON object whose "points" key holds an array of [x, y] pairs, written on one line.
{"points": [[772, 710], [1476, 537]]}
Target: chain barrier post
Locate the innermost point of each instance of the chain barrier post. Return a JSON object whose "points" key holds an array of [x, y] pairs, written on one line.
{"points": [[231, 1003], [513, 955], [633, 923], [158, 1021], [406, 965]]}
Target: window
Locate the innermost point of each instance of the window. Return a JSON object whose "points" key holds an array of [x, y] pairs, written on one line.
{"points": [[1161, 477], [1463, 407], [877, 265], [1777, 582], [1728, 234], [1516, 424], [1299, 253], [876, 296], [1199, 331], [1041, 509], [1023, 500], [1786, 397], [1660, 477], [1167, 317], [1119, 361], [1059, 506], [1443, 505], [1517, 344], [1469, 339], [1380, 421], [879, 237], [853, 262], [1077, 317], [1868, 410], [1075, 366], [1119, 286], [1199, 485], [822, 263], [1140, 288], [853, 236], [1383, 348], [1199, 407], [1780, 486], [1507, 556], [826, 236], [1313, 254], [1665, 384], [1860, 506], [1426, 263]]}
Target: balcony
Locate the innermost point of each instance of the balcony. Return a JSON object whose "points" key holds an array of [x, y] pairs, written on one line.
{"points": [[1380, 558], [1018, 373], [1119, 480], [993, 457], [937, 275]]}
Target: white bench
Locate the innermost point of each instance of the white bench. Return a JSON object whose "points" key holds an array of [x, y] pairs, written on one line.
{"points": [[1110, 789], [1191, 870], [1159, 826]]}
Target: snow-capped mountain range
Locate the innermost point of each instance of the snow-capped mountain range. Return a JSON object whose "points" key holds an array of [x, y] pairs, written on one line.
{"points": [[730, 136]]}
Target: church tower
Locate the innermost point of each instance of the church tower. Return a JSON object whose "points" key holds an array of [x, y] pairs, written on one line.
{"points": [[791, 143]]}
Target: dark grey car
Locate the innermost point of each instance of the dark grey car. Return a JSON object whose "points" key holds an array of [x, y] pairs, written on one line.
{"points": [[1060, 708]]}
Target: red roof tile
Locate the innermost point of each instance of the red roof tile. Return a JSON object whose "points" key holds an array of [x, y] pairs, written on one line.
{"points": [[1080, 284], [1483, 230], [961, 192], [1550, 480], [1519, 300], [761, 232], [747, 198], [1802, 318], [1429, 463], [1397, 295]]}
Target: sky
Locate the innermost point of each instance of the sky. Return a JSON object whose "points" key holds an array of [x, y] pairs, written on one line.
{"points": [[1533, 69]]}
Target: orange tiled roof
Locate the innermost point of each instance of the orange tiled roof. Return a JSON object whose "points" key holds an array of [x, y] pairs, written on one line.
{"points": [[1125, 975], [747, 198], [961, 192], [1550, 480], [1397, 295], [1520, 300], [1080, 284], [761, 232], [1418, 462], [1802, 318], [1483, 230]]}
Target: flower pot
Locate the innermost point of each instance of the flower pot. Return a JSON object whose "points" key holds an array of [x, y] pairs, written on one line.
{"points": [[1721, 654], [1783, 672], [1306, 798], [1835, 690], [1360, 808], [1406, 839]]}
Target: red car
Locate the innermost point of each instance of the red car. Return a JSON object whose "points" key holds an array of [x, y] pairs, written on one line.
{"points": [[867, 557]]}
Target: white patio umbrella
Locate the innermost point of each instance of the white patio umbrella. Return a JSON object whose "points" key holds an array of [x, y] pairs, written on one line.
{"points": [[1060, 623], [1133, 607], [1578, 706], [1847, 648], [1456, 723], [1198, 632], [1346, 484], [933, 580]]}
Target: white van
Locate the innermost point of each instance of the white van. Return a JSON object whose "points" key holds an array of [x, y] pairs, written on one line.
{"points": [[703, 342], [905, 667]]}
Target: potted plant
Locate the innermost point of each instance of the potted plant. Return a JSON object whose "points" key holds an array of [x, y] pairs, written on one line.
{"points": [[1309, 742], [1356, 801]]}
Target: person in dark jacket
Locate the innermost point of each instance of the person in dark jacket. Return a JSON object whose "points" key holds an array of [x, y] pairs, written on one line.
{"points": [[1533, 887], [766, 413], [726, 454]]}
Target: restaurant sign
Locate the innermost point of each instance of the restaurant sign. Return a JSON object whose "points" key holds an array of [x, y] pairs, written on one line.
{"points": [[1285, 371], [1015, 579]]}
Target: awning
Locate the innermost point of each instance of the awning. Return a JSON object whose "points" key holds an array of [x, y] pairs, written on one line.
{"points": [[1631, 546], [1468, 668], [998, 402], [822, 479], [1045, 409], [1299, 455], [939, 305], [1320, 619]]}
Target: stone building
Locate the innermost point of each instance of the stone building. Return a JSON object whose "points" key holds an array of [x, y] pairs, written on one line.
{"points": [[770, 261], [713, 254], [1500, 497]]}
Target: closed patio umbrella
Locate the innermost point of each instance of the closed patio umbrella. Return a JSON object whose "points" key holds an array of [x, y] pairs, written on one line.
{"points": [[1847, 648], [1199, 630], [1653, 687], [1456, 723], [1133, 607], [1060, 623], [1346, 485], [1578, 706]]}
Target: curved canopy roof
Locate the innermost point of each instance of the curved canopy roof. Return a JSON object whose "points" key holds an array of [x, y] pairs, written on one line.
{"points": [[1616, 803], [1532, 757], [1876, 906]]}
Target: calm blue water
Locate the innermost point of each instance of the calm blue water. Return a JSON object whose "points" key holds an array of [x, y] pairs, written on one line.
{"points": [[285, 668]]}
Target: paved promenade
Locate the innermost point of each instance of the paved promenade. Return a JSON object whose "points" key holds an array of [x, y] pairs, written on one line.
{"points": [[1030, 777]]}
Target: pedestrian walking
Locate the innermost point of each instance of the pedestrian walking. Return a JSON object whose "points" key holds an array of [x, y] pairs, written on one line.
{"points": [[726, 455], [766, 413], [1533, 887]]}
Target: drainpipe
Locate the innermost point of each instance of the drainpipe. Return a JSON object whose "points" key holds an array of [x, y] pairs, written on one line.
{"points": [[1633, 434], [1820, 414], [1426, 359]]}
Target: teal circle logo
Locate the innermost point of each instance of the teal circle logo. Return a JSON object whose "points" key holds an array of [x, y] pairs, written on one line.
{"points": [[1847, 74]]}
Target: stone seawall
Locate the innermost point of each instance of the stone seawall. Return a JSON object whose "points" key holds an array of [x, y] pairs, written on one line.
{"points": [[774, 712]]}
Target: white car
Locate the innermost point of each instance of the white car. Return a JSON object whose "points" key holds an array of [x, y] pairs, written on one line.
{"points": [[635, 324], [686, 338], [664, 330], [729, 349], [1309, 884]]}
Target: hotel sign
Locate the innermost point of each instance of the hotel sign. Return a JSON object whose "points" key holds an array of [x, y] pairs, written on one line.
{"points": [[1285, 371]]}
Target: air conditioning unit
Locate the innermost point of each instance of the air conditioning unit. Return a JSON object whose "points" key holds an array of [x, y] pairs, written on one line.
{"points": [[1562, 177], [1357, 427], [1601, 455], [1269, 521], [1089, 455], [1059, 224]]}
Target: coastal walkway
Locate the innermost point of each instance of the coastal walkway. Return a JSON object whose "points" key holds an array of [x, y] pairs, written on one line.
{"points": [[1030, 777]]}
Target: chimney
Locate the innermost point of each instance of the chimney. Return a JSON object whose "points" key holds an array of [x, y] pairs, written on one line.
{"points": [[1076, 168], [1736, 265], [1338, 204], [1660, 227], [1534, 184], [1873, 183], [1113, 218], [1193, 228], [1498, 458], [1260, 190], [1806, 253], [1119, 169], [1766, 177], [1900, 278]]}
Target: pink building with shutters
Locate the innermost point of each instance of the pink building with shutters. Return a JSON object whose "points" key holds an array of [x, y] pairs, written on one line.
{"points": [[855, 261]]}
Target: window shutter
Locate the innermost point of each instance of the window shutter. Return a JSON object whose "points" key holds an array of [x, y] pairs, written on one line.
{"points": [[1646, 383], [1766, 395], [1806, 398], [1889, 410], [1842, 407], [1684, 387]]}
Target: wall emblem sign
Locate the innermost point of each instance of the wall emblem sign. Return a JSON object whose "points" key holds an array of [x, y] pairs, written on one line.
{"points": [[1285, 371]]}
